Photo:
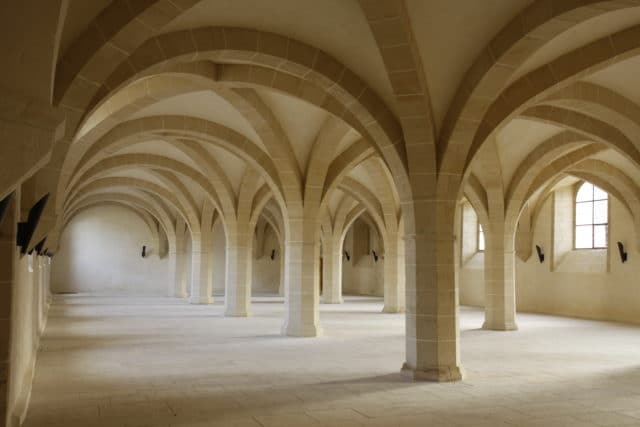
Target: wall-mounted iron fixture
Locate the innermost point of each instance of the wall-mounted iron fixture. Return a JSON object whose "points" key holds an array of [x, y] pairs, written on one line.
{"points": [[375, 255], [144, 251], [273, 254], [623, 253], [26, 229], [4, 204], [39, 248], [346, 254], [540, 254]]}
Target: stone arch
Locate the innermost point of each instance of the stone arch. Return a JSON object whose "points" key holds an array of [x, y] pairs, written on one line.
{"points": [[260, 200], [321, 159], [362, 194], [522, 190], [542, 155], [534, 86], [533, 27], [140, 199], [125, 161], [212, 170], [357, 153], [582, 95], [594, 129], [477, 197], [189, 216], [265, 50], [202, 130], [615, 182], [273, 136], [347, 218], [332, 238], [119, 29], [139, 212]]}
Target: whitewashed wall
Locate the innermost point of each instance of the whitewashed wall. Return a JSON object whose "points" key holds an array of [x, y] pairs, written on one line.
{"points": [[591, 284], [100, 252]]}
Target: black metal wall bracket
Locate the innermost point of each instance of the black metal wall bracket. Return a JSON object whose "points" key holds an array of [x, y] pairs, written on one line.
{"points": [[540, 254], [26, 229], [622, 252]]}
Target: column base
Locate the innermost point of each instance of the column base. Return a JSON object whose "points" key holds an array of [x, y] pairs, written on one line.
{"points": [[509, 326], [200, 300], [301, 331], [332, 300], [439, 374], [178, 295], [387, 309], [237, 314]]}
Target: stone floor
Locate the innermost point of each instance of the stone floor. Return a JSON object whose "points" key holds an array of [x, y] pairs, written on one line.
{"points": [[160, 362]]}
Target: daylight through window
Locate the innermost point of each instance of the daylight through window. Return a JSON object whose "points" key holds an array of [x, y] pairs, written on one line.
{"points": [[592, 209]]}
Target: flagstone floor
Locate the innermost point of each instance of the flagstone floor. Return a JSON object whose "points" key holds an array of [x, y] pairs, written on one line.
{"points": [[134, 362]]}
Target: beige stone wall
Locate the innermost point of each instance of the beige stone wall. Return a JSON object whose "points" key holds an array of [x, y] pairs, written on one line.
{"points": [[580, 286], [219, 258], [266, 272], [471, 265], [30, 303], [472, 281], [362, 275], [100, 252], [578, 283]]}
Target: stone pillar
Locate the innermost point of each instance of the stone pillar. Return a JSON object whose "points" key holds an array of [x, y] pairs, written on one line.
{"points": [[499, 279], [40, 294], [499, 263], [282, 270], [172, 268], [432, 335], [238, 273], [177, 262], [201, 268], [301, 279], [393, 285], [46, 261], [331, 271], [8, 257], [49, 295]]}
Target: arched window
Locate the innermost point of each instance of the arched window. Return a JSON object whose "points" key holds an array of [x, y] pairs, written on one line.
{"points": [[592, 219], [480, 238]]}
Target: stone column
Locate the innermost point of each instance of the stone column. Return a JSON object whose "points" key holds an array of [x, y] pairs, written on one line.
{"points": [[499, 279], [331, 271], [46, 286], [40, 294], [301, 279], [172, 268], [282, 270], [8, 257], [432, 335], [177, 262], [238, 273], [201, 268], [393, 285]]}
